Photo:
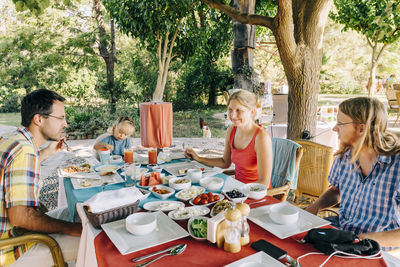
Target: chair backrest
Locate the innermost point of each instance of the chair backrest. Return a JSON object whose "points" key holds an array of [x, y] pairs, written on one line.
{"points": [[287, 155], [398, 100], [314, 168], [44, 239], [391, 97]]}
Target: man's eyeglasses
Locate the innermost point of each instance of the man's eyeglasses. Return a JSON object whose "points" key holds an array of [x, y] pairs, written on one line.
{"points": [[57, 117]]}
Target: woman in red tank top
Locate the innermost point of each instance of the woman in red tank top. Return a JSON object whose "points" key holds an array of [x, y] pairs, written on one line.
{"points": [[247, 145]]}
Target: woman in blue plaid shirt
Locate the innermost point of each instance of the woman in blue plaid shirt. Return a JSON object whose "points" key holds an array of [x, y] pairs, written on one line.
{"points": [[365, 175]]}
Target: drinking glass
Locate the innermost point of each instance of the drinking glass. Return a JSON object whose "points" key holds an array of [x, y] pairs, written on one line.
{"points": [[152, 156], [128, 155], [130, 174]]}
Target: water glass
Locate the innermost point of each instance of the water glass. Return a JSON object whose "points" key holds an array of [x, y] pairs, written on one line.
{"points": [[130, 174]]}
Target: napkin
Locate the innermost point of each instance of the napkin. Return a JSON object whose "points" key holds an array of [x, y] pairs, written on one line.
{"points": [[113, 199]]}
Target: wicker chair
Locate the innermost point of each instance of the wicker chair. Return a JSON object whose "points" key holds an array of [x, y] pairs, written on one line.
{"points": [[398, 107], [39, 238], [313, 172], [391, 97]]}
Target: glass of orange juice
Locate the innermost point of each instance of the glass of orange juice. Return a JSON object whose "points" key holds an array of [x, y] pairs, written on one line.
{"points": [[128, 155], [153, 156]]}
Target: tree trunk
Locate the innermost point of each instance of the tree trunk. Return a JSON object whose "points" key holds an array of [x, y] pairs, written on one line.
{"points": [[243, 47], [298, 28], [106, 52], [164, 54], [371, 85]]}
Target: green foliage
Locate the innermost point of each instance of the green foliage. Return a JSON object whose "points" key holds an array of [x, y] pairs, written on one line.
{"points": [[10, 101], [198, 81], [96, 119], [378, 20], [148, 19]]}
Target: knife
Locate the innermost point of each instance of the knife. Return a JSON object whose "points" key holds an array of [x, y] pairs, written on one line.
{"points": [[155, 253]]}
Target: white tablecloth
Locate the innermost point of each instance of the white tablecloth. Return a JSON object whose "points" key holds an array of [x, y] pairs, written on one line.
{"points": [[325, 135]]}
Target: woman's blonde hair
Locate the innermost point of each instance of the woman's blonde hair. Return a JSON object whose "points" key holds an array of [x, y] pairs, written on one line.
{"points": [[245, 98], [372, 113], [122, 119]]}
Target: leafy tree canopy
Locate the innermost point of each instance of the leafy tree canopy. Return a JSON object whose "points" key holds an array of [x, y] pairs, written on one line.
{"points": [[376, 19]]}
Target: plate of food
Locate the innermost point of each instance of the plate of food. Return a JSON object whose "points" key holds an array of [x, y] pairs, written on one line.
{"points": [[149, 180], [184, 213], [188, 194], [206, 199], [221, 206], [163, 205], [76, 169], [107, 168], [181, 168]]}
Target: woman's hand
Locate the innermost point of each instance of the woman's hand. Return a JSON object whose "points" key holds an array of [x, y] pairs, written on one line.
{"points": [[190, 154]]}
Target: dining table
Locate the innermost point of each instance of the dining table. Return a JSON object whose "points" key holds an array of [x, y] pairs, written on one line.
{"points": [[97, 249]]}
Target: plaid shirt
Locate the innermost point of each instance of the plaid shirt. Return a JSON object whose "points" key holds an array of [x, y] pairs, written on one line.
{"points": [[371, 203], [19, 180]]}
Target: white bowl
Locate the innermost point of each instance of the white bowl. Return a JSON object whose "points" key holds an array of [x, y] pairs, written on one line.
{"points": [[157, 169], [115, 159], [283, 213], [162, 196], [190, 230], [195, 175], [212, 183], [256, 190], [141, 223], [236, 199], [179, 186], [151, 166]]}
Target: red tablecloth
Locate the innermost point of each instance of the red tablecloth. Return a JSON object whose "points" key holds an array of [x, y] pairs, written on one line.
{"points": [[207, 254]]}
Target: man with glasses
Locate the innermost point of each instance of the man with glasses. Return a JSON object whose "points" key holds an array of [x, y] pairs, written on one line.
{"points": [[43, 119], [365, 175]]}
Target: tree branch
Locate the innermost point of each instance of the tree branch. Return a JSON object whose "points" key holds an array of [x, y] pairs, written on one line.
{"points": [[241, 17]]}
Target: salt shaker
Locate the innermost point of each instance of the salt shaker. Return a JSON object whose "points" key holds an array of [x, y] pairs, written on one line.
{"points": [[245, 228], [232, 231]]}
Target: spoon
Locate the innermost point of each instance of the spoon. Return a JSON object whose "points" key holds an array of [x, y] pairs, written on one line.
{"points": [[175, 251]]}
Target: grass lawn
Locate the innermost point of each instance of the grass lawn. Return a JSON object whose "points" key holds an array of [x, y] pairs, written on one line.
{"points": [[187, 123], [11, 119]]}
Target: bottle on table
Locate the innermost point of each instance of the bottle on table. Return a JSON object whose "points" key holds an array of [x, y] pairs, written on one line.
{"points": [[245, 228], [232, 231]]}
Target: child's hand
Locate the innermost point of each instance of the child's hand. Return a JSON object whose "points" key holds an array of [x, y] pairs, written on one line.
{"points": [[109, 147]]}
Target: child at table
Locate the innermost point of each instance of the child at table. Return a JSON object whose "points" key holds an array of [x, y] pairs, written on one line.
{"points": [[117, 137]]}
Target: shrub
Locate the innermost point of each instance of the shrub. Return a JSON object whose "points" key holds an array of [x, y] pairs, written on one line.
{"points": [[10, 103]]}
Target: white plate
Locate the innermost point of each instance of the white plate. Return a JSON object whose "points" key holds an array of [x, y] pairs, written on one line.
{"points": [[86, 183], [177, 168], [259, 257], [221, 197], [200, 190], [167, 230], [62, 173], [79, 175], [107, 168], [201, 210], [305, 222], [163, 205]]}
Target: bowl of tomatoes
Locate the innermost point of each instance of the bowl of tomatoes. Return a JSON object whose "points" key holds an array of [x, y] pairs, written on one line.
{"points": [[206, 199]]}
